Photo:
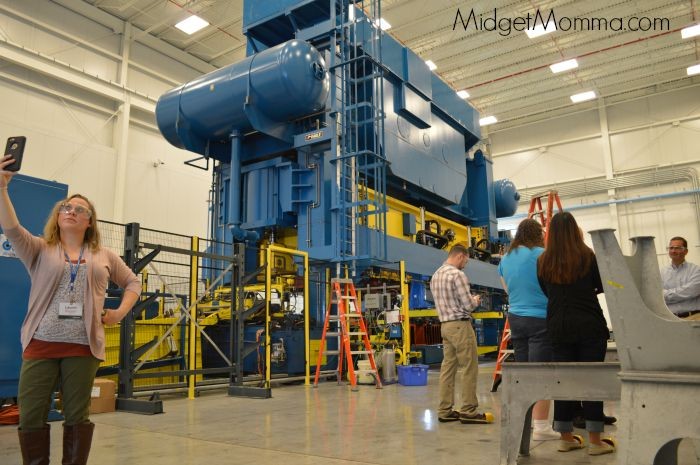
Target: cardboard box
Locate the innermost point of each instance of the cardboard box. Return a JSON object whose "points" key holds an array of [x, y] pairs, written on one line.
{"points": [[102, 399]]}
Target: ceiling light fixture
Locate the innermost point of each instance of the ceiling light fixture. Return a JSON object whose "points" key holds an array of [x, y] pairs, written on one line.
{"points": [[431, 66], [583, 96], [383, 24], [463, 94], [690, 31], [564, 65], [695, 69], [540, 29], [488, 120], [192, 24]]}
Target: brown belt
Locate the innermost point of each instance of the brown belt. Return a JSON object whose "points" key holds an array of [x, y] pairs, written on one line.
{"points": [[687, 314]]}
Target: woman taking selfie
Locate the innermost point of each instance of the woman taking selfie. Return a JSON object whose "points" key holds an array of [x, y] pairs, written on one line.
{"points": [[63, 339]]}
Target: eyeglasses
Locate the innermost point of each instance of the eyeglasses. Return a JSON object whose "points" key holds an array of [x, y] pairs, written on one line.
{"points": [[78, 209], [674, 248]]}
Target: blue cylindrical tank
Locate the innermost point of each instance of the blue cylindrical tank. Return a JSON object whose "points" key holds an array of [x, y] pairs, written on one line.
{"points": [[507, 198], [282, 83]]}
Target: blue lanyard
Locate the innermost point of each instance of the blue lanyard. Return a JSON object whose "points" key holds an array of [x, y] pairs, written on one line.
{"points": [[74, 271]]}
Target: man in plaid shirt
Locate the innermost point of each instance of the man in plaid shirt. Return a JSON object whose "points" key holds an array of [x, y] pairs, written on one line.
{"points": [[454, 302]]}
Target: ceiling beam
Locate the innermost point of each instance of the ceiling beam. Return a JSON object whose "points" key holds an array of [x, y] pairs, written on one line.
{"points": [[78, 41], [64, 72], [117, 25]]}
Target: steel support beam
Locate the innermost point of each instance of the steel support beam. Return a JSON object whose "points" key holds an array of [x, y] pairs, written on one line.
{"points": [[49, 66]]}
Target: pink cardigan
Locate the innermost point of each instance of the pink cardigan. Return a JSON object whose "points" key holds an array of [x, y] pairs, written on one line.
{"points": [[45, 265]]}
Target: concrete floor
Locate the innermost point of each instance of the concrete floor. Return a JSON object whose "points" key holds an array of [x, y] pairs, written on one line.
{"points": [[329, 425]]}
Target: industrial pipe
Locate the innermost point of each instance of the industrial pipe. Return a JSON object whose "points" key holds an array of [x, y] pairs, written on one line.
{"points": [[621, 201]]}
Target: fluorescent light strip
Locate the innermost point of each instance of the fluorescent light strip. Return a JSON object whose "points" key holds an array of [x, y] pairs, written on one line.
{"points": [[540, 30], [351, 13], [564, 65], [192, 24], [695, 69], [432, 66], [487, 120], [384, 24], [463, 94], [690, 31], [583, 96]]}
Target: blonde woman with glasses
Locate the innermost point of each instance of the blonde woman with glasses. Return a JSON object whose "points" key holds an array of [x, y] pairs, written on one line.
{"points": [[63, 339]]}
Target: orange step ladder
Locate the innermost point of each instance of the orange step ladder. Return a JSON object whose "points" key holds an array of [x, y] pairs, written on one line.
{"points": [[544, 215], [348, 326]]}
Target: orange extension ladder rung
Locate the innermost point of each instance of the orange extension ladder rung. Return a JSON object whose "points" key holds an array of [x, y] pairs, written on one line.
{"points": [[348, 322], [544, 216], [503, 354]]}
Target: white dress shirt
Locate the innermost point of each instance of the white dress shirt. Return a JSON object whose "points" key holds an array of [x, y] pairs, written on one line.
{"points": [[681, 287]]}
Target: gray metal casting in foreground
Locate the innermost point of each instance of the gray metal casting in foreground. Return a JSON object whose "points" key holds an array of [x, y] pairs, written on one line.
{"points": [[658, 353], [526, 383], [658, 409], [649, 337]]}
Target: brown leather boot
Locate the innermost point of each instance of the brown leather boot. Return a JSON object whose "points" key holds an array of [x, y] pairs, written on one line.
{"points": [[35, 446], [76, 443]]}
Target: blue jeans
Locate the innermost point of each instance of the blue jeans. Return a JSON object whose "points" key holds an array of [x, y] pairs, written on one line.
{"points": [[590, 350], [529, 338]]}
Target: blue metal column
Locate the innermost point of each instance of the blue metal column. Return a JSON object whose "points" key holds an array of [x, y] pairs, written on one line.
{"points": [[235, 190], [33, 200]]}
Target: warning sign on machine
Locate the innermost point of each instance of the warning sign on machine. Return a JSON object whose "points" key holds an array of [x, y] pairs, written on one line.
{"points": [[6, 248]]}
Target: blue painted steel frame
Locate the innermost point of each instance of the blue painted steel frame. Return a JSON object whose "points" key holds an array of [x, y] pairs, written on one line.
{"points": [[33, 200]]}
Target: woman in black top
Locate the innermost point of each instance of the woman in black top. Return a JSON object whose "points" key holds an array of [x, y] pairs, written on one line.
{"points": [[568, 274]]}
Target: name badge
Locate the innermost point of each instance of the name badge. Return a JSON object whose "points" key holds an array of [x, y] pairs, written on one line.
{"points": [[69, 310]]}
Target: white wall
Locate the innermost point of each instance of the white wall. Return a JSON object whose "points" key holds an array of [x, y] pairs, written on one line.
{"points": [[72, 131], [647, 133]]}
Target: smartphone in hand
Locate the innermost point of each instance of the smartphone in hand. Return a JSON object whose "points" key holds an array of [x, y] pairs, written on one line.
{"points": [[15, 147]]}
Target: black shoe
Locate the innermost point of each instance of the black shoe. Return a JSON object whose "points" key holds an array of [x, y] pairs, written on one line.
{"points": [[452, 416], [479, 418], [580, 422]]}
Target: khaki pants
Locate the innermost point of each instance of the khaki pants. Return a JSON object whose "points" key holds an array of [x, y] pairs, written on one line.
{"points": [[459, 351], [38, 379]]}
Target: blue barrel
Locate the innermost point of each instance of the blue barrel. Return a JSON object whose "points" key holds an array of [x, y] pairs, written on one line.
{"points": [[283, 83], [507, 198]]}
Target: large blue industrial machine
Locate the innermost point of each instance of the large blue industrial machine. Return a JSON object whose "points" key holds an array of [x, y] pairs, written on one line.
{"points": [[325, 102], [333, 138], [33, 200]]}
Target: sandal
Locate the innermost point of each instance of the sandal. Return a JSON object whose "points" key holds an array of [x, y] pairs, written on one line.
{"points": [[566, 446], [606, 446]]}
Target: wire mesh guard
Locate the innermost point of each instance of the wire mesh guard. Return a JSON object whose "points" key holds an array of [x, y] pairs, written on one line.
{"points": [[161, 341]]}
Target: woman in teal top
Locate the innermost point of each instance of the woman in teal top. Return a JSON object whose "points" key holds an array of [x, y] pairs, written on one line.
{"points": [[527, 313]]}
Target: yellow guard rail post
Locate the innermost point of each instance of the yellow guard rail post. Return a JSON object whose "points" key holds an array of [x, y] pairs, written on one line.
{"points": [[192, 330], [405, 321]]}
